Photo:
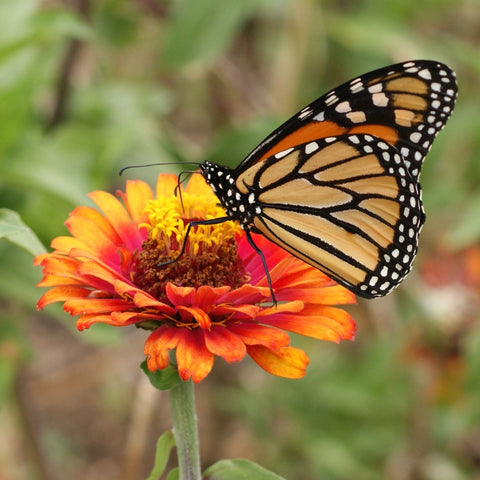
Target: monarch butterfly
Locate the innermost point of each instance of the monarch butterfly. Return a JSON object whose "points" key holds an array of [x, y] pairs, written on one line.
{"points": [[337, 184]]}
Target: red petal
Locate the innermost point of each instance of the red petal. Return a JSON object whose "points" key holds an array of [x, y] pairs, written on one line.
{"points": [[288, 362], [206, 296], [179, 295]]}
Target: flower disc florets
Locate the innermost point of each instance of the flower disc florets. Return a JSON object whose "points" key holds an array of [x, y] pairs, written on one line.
{"points": [[207, 256]]}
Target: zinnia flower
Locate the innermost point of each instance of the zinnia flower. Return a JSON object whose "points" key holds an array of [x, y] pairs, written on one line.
{"points": [[214, 301]]}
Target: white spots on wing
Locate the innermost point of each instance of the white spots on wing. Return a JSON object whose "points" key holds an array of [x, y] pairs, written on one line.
{"points": [[357, 117], [304, 113], [425, 74], [415, 137], [380, 99], [283, 153], [343, 107], [377, 88], [311, 147]]}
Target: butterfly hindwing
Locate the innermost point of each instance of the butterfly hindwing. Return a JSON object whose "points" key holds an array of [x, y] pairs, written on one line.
{"points": [[346, 205]]}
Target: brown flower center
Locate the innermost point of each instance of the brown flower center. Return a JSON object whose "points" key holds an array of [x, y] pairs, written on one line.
{"points": [[210, 256]]}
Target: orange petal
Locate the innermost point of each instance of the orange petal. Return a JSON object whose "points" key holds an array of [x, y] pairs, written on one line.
{"points": [[144, 300], [288, 362], [246, 294], [98, 271], [118, 216], [53, 281], [222, 342], [194, 360], [289, 307], [166, 184], [86, 321], [200, 316], [60, 294], [334, 295], [98, 242], [321, 322], [65, 244], [121, 319], [100, 222], [158, 345], [77, 306], [240, 312], [254, 334], [198, 186], [57, 265], [136, 196]]}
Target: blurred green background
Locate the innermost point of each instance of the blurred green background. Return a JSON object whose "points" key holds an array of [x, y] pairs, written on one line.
{"points": [[90, 86]]}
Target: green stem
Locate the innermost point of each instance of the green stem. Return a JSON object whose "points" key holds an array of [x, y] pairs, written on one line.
{"points": [[182, 404]]}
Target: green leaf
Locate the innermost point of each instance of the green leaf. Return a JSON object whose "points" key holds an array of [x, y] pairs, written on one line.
{"points": [[13, 229], [164, 445], [238, 469], [202, 29], [162, 379], [173, 474]]}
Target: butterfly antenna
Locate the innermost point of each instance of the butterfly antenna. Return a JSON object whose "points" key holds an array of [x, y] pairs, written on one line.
{"points": [[161, 164]]}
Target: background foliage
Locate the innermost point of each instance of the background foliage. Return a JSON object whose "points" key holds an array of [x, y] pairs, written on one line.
{"points": [[90, 86]]}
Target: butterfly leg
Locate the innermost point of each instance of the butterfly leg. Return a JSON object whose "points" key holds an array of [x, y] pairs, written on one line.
{"points": [[264, 263], [210, 221]]}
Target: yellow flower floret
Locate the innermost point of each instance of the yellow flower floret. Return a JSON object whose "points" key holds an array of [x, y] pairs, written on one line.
{"points": [[168, 218]]}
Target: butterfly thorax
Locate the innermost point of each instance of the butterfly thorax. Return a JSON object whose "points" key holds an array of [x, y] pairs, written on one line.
{"points": [[238, 206]]}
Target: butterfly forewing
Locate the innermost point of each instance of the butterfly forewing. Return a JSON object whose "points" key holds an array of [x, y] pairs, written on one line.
{"points": [[405, 104]]}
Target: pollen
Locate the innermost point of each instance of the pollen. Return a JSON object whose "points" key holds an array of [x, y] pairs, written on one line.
{"points": [[210, 255]]}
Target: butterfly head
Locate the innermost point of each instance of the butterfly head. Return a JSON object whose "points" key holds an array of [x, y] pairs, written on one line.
{"points": [[238, 205]]}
